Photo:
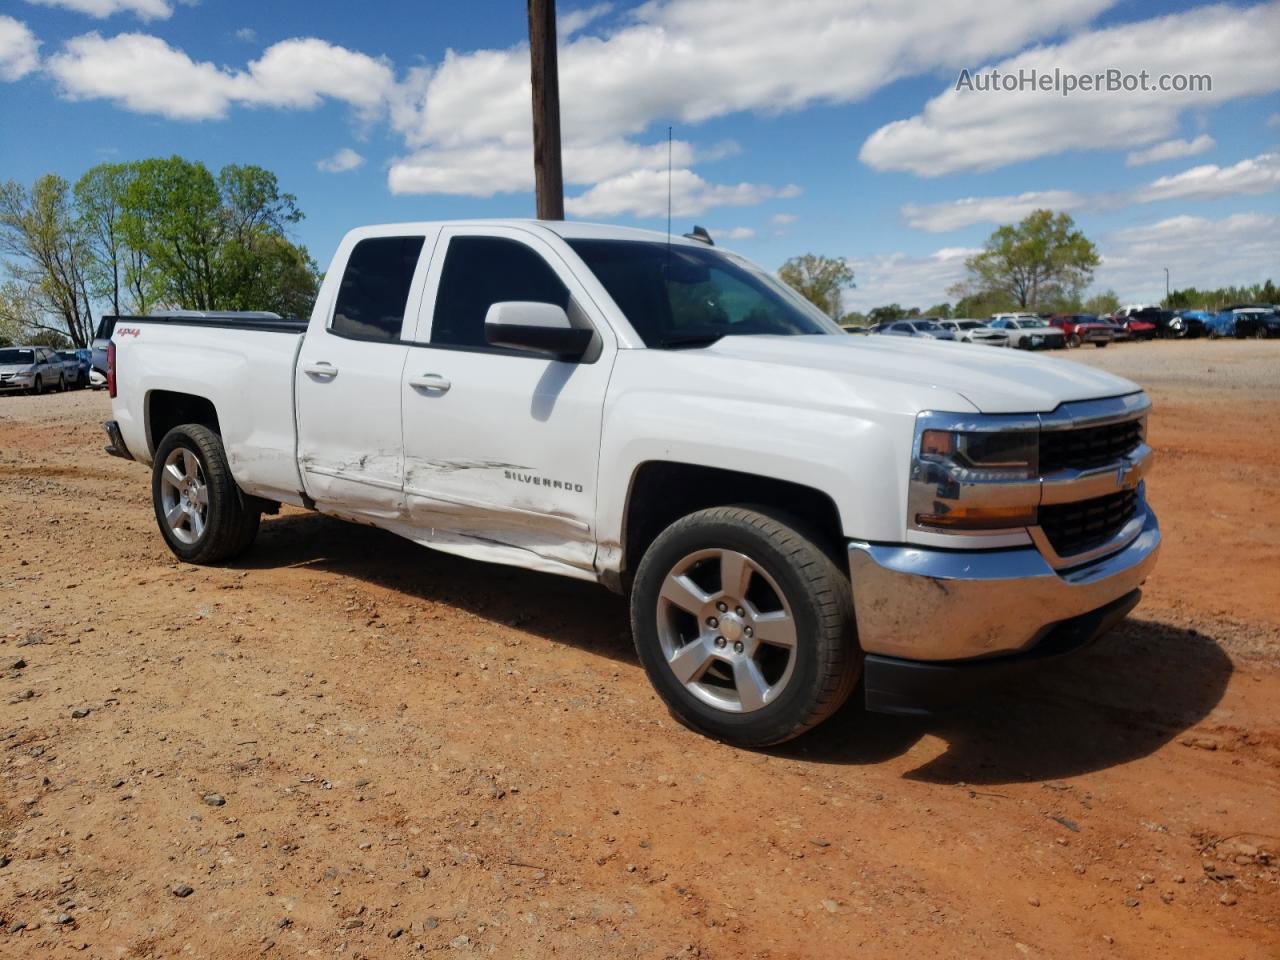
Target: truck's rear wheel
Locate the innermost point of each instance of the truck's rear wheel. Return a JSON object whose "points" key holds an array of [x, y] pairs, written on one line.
{"points": [[203, 514], [744, 626]]}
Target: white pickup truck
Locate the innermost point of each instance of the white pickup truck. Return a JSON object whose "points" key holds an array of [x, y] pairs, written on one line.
{"points": [[790, 509]]}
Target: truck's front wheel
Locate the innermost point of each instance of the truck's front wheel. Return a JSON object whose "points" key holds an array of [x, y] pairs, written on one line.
{"points": [[744, 626], [203, 514]]}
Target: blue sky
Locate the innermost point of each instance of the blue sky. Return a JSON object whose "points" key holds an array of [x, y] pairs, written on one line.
{"points": [[826, 126]]}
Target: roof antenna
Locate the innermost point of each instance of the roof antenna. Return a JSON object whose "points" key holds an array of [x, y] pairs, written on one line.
{"points": [[668, 186]]}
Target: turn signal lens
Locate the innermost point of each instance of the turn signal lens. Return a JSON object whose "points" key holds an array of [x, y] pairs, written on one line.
{"points": [[980, 518], [111, 370]]}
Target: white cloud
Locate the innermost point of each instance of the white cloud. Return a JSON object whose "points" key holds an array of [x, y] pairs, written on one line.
{"points": [[906, 280], [1171, 150], [572, 21], [954, 214], [1273, 120], [342, 161], [144, 74], [100, 9], [246, 34], [687, 61], [18, 49], [490, 168], [1260, 174], [643, 193], [731, 233], [1133, 260], [783, 219], [973, 130]]}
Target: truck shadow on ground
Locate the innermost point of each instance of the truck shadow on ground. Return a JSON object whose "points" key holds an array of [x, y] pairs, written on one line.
{"points": [[1137, 688], [1115, 702]]}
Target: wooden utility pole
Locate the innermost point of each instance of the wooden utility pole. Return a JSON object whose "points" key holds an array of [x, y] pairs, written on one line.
{"points": [[544, 72]]}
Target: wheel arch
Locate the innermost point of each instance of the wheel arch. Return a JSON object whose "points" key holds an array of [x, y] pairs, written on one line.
{"points": [[166, 409], [662, 491]]}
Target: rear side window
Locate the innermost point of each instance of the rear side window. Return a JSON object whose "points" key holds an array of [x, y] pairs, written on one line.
{"points": [[481, 271], [375, 287]]}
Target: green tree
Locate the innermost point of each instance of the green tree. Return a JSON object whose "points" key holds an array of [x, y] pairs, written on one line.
{"points": [[115, 269], [820, 280], [942, 310], [216, 243], [1102, 303], [886, 314], [172, 211], [47, 258], [1039, 261]]}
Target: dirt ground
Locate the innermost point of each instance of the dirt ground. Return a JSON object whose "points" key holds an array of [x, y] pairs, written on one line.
{"points": [[346, 745]]}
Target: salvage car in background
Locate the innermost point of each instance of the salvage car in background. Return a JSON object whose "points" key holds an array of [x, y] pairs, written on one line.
{"points": [[74, 367], [1138, 327], [975, 331], [1082, 328], [1026, 331], [919, 327], [1225, 322], [36, 369], [1257, 323]]}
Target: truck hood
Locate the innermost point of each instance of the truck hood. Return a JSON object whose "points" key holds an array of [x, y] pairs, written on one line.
{"points": [[994, 381]]}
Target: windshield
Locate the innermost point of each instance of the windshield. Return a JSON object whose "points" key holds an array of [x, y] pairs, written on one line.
{"points": [[682, 294], [1026, 323], [928, 326], [17, 356], [969, 324]]}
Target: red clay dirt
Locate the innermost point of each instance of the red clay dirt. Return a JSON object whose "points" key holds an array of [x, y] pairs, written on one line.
{"points": [[419, 754]]}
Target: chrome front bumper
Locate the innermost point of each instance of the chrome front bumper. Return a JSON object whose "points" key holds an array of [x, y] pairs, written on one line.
{"points": [[918, 603]]}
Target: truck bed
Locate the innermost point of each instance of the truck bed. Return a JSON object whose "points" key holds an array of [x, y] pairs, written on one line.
{"points": [[240, 363], [231, 320]]}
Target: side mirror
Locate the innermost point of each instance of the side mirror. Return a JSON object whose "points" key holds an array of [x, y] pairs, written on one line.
{"points": [[538, 327]]}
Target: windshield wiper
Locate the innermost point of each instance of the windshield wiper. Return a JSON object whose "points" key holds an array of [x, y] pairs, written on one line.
{"points": [[689, 340]]}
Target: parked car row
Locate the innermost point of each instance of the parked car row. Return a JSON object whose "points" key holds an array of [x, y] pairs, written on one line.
{"points": [[1245, 320], [1033, 331], [37, 369]]}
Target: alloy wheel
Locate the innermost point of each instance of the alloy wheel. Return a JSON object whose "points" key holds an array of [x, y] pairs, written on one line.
{"points": [[727, 631], [184, 495]]}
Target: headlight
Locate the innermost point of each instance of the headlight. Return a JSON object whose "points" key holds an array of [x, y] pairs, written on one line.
{"points": [[975, 480]]}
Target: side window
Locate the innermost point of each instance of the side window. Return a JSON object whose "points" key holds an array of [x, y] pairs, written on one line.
{"points": [[374, 288], [481, 271]]}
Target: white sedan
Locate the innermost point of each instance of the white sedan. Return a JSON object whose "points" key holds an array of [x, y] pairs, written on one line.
{"points": [[1031, 333], [975, 331]]}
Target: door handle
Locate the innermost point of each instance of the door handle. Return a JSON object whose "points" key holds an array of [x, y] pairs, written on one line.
{"points": [[431, 381], [321, 368]]}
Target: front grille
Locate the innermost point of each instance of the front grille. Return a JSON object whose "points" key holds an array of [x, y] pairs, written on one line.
{"points": [[1073, 528], [1088, 447]]}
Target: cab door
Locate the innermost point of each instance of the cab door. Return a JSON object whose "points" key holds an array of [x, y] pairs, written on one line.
{"points": [[501, 445], [347, 383]]}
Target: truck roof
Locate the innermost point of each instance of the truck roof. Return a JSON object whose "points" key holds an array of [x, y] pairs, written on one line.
{"points": [[568, 229]]}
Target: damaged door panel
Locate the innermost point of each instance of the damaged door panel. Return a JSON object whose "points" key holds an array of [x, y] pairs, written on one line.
{"points": [[348, 382], [498, 459]]}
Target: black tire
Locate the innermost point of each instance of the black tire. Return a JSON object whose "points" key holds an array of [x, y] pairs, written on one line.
{"points": [[1073, 340], [37, 385], [231, 521], [62, 383], [826, 659], [1100, 343], [1260, 333]]}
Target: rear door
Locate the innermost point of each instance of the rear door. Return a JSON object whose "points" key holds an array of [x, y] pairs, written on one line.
{"points": [[348, 381], [501, 445]]}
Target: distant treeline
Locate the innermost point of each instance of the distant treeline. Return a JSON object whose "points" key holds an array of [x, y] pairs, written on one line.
{"points": [[131, 237]]}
